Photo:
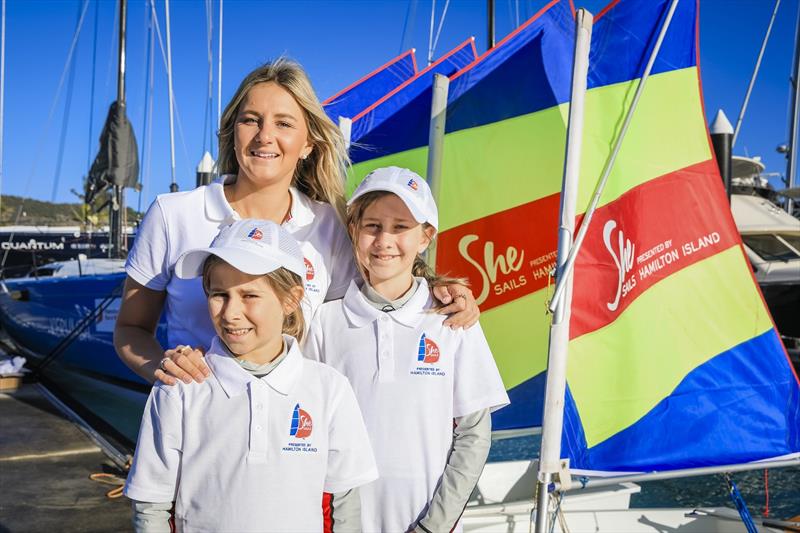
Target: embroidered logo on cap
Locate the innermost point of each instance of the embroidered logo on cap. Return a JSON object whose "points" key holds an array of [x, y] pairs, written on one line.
{"points": [[301, 423], [309, 269], [413, 185], [255, 234], [428, 350]]}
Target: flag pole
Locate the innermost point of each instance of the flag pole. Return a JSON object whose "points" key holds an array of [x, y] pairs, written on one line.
{"points": [[601, 184], [549, 461], [441, 88]]}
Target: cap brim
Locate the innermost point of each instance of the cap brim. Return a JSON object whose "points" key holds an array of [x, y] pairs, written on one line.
{"points": [[190, 264], [403, 194]]}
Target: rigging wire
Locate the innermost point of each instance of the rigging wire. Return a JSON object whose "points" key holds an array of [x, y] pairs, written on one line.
{"points": [[438, 32], [219, 78], [755, 74], [111, 57], [430, 32], [172, 98], [411, 14], [47, 124], [64, 125], [91, 90], [144, 168]]}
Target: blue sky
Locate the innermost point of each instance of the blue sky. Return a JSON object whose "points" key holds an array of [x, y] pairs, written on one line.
{"points": [[337, 42]]}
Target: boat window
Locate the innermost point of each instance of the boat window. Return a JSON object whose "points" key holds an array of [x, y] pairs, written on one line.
{"points": [[793, 240], [769, 248]]}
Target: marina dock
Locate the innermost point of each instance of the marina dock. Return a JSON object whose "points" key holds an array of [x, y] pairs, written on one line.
{"points": [[45, 464]]}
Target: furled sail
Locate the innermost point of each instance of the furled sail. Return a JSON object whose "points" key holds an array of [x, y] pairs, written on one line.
{"points": [[674, 361], [117, 160], [354, 98]]}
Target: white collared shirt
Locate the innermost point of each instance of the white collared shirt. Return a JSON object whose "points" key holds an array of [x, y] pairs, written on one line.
{"points": [[181, 221], [412, 376], [240, 453]]}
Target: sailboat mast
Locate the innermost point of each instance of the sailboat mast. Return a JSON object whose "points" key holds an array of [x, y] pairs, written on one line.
{"points": [[552, 420], [2, 87], [117, 206], [173, 186], [791, 165]]}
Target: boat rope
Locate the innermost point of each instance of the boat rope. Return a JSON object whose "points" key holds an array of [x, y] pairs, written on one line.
{"points": [[79, 328], [117, 481], [741, 506], [766, 493]]}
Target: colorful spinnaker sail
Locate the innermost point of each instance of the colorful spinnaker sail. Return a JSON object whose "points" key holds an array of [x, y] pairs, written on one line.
{"points": [[674, 361], [354, 98]]}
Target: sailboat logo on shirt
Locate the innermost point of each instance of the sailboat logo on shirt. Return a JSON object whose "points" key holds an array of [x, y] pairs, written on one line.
{"points": [[301, 423], [255, 234], [309, 269], [428, 350]]}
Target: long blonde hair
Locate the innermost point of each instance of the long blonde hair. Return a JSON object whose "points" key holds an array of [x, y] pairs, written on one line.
{"points": [[420, 269], [321, 175], [282, 281]]}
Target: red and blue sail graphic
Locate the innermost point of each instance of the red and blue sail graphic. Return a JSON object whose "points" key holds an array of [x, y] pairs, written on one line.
{"points": [[353, 99], [428, 350], [301, 423]]}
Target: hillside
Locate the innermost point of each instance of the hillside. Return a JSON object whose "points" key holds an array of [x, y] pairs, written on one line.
{"points": [[39, 213]]}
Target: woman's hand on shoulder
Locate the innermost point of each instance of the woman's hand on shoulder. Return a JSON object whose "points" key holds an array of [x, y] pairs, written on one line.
{"points": [[184, 363], [459, 303]]}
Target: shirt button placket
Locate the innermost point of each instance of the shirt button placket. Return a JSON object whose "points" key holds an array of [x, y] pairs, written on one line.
{"points": [[385, 349], [258, 422]]}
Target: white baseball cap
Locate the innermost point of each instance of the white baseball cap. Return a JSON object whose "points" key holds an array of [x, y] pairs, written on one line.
{"points": [[252, 246], [411, 188]]}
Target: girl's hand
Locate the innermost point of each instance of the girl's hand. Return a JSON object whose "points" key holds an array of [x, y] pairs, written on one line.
{"points": [[185, 363], [459, 304]]}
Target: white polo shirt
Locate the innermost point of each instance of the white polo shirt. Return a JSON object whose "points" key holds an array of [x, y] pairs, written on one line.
{"points": [[177, 222], [412, 376], [239, 453]]}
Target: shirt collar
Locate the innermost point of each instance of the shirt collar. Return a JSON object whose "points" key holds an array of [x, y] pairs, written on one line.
{"points": [[360, 313], [234, 380], [218, 208], [301, 212]]}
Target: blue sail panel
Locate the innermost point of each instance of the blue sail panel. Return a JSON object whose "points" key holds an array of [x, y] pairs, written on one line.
{"points": [[526, 407], [624, 36], [738, 407], [535, 61], [375, 130], [352, 100]]}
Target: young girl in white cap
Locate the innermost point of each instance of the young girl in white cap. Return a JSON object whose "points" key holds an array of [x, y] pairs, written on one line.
{"points": [[255, 445], [426, 391]]}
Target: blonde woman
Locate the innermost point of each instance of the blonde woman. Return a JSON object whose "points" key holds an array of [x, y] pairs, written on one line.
{"points": [[281, 159]]}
